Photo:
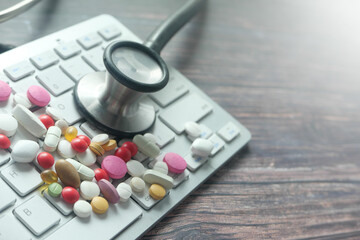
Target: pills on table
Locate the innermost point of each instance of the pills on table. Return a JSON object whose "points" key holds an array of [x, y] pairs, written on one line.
{"points": [[67, 173], [8, 125], [22, 99], [124, 191], [123, 153], [100, 139], [175, 163], [85, 138], [25, 151], [97, 149], [110, 145], [137, 184], [114, 166], [135, 168], [79, 145], [157, 192], [62, 124], [70, 195], [4, 141], [193, 129], [38, 96], [55, 189], [87, 158], [108, 191], [152, 176], [146, 146], [49, 176], [71, 133], [45, 160], [82, 209], [99, 205], [131, 146], [89, 190], [65, 150], [29, 121], [5, 91], [101, 174], [161, 167], [53, 113], [202, 147], [150, 137], [52, 139], [85, 173]]}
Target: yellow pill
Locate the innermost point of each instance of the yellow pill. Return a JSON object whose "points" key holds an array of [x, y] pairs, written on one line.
{"points": [[49, 176], [110, 145], [99, 205], [71, 133], [157, 191], [97, 149]]}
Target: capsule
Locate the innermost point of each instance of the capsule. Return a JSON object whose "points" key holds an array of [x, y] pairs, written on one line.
{"points": [[49, 176], [71, 133]]}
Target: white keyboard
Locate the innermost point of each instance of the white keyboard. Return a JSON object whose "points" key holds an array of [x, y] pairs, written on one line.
{"points": [[57, 62]]}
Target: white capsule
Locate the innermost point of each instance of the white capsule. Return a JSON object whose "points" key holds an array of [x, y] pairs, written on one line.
{"points": [[137, 184], [25, 151], [8, 125], [152, 176], [54, 113], [62, 124], [82, 209], [193, 129], [124, 191], [52, 139], [84, 172], [65, 150], [22, 99], [29, 120], [202, 147]]}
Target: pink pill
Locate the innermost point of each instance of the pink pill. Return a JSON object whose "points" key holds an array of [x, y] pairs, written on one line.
{"points": [[175, 162], [114, 166], [5, 91], [109, 191], [38, 96]]}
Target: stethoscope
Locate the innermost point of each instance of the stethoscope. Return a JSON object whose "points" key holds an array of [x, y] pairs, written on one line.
{"points": [[109, 99]]}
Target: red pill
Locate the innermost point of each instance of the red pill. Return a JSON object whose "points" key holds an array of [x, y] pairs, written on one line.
{"points": [[45, 160], [123, 153], [46, 120], [4, 141], [101, 174], [79, 145], [131, 146], [85, 138], [70, 195]]}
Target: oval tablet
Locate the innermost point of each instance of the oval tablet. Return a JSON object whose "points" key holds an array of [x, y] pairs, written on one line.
{"points": [[137, 184], [70, 195], [4, 141], [124, 191], [193, 129], [202, 147], [87, 158], [161, 167], [49, 176], [157, 192], [109, 191], [175, 163], [100, 139], [114, 166], [152, 176], [8, 125], [135, 168], [67, 173], [52, 139], [5, 91], [146, 146], [84, 172], [65, 150], [82, 209], [89, 190], [29, 121], [110, 145], [150, 137], [38, 96], [62, 124], [25, 151], [99, 205], [22, 99]]}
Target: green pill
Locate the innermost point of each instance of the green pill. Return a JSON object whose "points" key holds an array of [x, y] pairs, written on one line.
{"points": [[54, 189]]}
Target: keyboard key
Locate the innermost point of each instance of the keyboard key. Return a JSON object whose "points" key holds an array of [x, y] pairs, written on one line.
{"points": [[76, 68], [229, 132], [94, 58], [67, 50], [173, 91], [179, 178], [22, 177], [205, 133], [55, 81], [66, 105], [19, 70], [90, 40], [190, 108], [11, 228], [4, 157], [22, 86], [163, 134], [118, 217], [37, 215], [194, 162], [58, 202], [218, 144], [45, 59], [8, 197], [110, 32]]}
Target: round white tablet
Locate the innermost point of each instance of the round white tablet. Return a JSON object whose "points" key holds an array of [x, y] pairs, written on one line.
{"points": [[25, 151], [135, 168], [89, 190], [124, 191], [137, 184], [8, 125], [202, 147], [82, 209], [65, 150], [87, 158]]}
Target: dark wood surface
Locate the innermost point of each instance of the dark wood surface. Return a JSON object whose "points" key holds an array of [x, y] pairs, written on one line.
{"points": [[290, 72]]}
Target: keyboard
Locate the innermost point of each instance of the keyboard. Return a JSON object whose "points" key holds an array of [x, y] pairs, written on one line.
{"points": [[56, 62]]}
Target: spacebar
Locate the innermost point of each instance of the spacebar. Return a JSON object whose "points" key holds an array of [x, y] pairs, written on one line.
{"points": [[104, 226]]}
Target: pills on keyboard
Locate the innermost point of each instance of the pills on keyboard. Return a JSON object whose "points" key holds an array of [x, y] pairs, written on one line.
{"points": [[85, 138], [101, 174], [29, 121], [82, 209], [146, 146], [123, 153], [45, 160], [137, 184], [175, 163], [22, 99], [124, 191], [55, 189], [5, 91], [70, 133], [8, 125], [52, 139], [70, 195], [89, 190], [46, 120], [161, 167], [85, 173], [67, 173], [65, 150], [131, 146], [79, 145], [135, 168], [97, 149], [193, 129], [4, 141], [62, 124], [202, 147], [87, 158], [157, 192], [110, 145], [152, 176], [114, 166], [108, 191], [38, 96], [49, 176], [99, 205], [54, 113], [25, 151], [100, 139]]}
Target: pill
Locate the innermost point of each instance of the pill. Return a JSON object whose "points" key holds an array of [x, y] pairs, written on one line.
{"points": [[123, 153], [55, 189], [79, 145], [135, 168], [100, 138], [110, 145], [108, 191], [87, 158], [49, 176], [29, 121], [146, 146], [65, 150], [62, 124], [99, 205], [82, 209], [53, 113], [38, 96], [137, 184], [101, 174], [67, 173], [22, 99], [70, 195], [85, 138], [114, 166], [25, 151], [46, 120], [85, 173], [161, 167], [89, 190], [4, 141], [150, 137], [124, 191], [175, 163], [97, 149], [202, 147], [52, 139], [70, 133], [193, 129], [45, 160], [157, 192], [131, 146], [152, 176], [5, 91], [8, 125]]}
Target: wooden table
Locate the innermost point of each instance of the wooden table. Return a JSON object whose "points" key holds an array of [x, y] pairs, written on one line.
{"points": [[290, 72]]}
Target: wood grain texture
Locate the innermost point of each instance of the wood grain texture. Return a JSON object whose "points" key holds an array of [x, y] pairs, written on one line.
{"points": [[290, 72]]}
